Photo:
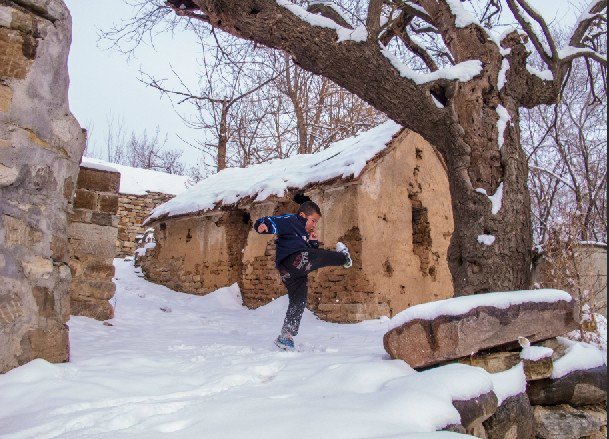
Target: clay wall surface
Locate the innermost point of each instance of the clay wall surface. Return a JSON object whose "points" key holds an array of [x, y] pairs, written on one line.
{"points": [[198, 255], [40, 149], [396, 220], [92, 235], [132, 211]]}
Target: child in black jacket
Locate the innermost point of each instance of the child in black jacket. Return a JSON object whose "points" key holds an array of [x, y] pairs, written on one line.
{"points": [[298, 254]]}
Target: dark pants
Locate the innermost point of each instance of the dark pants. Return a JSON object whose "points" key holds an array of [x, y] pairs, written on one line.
{"points": [[294, 271]]}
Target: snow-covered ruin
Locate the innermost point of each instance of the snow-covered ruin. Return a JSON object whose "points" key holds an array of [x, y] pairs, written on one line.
{"points": [[384, 193]]}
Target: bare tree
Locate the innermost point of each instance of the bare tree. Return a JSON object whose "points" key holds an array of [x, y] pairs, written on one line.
{"points": [[466, 101]]}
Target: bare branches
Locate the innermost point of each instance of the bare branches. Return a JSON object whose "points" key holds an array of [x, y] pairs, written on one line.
{"points": [[549, 57], [373, 21], [586, 21]]}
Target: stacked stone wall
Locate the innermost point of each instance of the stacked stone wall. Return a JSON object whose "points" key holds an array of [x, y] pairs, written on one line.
{"points": [[92, 236], [40, 149], [132, 211]]}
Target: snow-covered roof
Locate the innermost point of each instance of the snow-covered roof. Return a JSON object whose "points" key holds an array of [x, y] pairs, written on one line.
{"points": [[136, 181], [344, 159]]}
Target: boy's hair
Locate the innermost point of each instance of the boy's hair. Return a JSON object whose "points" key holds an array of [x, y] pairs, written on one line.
{"points": [[309, 208]]}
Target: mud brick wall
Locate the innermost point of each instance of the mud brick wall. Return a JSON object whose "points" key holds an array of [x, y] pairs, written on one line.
{"points": [[396, 219], [132, 211], [198, 255], [40, 148], [92, 236]]}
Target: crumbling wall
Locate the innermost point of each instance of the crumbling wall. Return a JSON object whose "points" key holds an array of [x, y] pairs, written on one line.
{"points": [[40, 148], [132, 211], [92, 236], [198, 254], [405, 215]]}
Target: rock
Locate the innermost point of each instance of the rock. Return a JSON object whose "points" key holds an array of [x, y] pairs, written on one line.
{"points": [[423, 343], [581, 387], [538, 369], [476, 410], [493, 362], [566, 422], [513, 419]]}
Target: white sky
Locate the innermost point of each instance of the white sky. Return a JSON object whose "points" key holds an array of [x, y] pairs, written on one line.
{"points": [[104, 82]]}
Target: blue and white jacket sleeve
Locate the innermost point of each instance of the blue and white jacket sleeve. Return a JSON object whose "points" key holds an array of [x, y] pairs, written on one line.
{"points": [[275, 224]]}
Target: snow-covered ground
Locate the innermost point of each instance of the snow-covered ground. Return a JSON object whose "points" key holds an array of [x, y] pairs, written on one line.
{"points": [[207, 368]]}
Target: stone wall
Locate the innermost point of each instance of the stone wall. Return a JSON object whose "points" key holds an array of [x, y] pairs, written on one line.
{"points": [[132, 211], [92, 236], [396, 220], [40, 149]]}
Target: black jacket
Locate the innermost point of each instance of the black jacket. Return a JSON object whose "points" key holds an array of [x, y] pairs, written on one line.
{"points": [[291, 234]]}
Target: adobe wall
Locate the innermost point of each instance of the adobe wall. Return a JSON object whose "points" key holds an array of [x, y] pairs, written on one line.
{"points": [[198, 255], [132, 211], [397, 222], [92, 235], [40, 148]]}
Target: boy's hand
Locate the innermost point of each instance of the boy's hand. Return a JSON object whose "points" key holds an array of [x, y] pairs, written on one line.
{"points": [[313, 236], [262, 228]]}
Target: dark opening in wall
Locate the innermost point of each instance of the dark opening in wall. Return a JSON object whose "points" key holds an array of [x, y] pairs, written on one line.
{"points": [[301, 198], [246, 218]]}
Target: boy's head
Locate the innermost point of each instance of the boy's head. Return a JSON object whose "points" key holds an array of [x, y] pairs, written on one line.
{"points": [[311, 212]]}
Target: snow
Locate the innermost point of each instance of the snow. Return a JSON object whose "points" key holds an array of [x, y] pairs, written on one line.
{"points": [[502, 123], [536, 353], [579, 356], [209, 369], [344, 159], [569, 51], [330, 4], [462, 305], [344, 34], [502, 78], [463, 17], [486, 239], [497, 199], [136, 181], [512, 382], [464, 71], [546, 75]]}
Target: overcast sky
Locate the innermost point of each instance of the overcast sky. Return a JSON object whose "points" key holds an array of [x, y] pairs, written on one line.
{"points": [[104, 82]]}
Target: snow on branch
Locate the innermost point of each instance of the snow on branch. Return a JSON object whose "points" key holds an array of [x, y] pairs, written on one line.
{"points": [[462, 72], [547, 50], [359, 34]]}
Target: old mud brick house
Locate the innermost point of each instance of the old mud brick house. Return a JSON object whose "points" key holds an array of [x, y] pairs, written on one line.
{"points": [[40, 149], [384, 193], [92, 234], [141, 190]]}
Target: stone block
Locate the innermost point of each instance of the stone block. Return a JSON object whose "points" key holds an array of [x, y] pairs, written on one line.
{"points": [[423, 343], [579, 388], [80, 216], [49, 343], [476, 410], [18, 232], [108, 203], [92, 239], [85, 199], [539, 369], [6, 97], [514, 419], [8, 175], [95, 309], [45, 300], [92, 289], [37, 267], [99, 181], [566, 422], [103, 219]]}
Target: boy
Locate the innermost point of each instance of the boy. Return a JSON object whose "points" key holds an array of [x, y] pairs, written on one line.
{"points": [[298, 254]]}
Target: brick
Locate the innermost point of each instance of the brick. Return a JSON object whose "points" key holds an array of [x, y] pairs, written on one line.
{"points": [[108, 203], [85, 199], [100, 181]]}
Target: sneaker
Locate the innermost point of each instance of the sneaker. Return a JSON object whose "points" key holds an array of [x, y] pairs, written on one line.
{"points": [[342, 248], [285, 343]]}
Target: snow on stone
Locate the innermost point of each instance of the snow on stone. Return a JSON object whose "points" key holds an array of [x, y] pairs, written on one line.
{"points": [[535, 353], [462, 305], [344, 159], [502, 78], [187, 373], [486, 239], [136, 181], [512, 382], [579, 356], [502, 123], [546, 75], [344, 34], [463, 72]]}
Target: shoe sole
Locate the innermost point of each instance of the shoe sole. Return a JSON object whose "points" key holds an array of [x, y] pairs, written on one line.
{"points": [[284, 347]]}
